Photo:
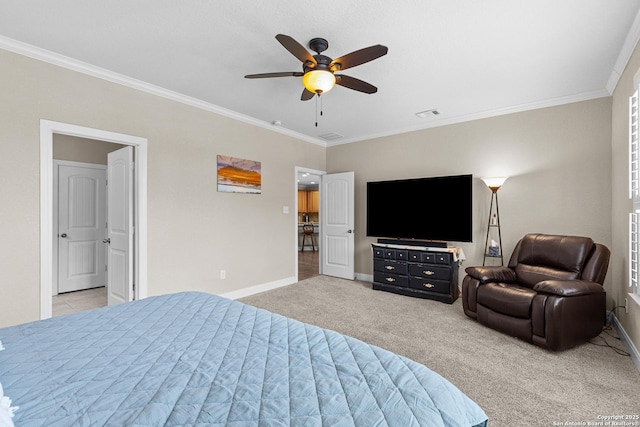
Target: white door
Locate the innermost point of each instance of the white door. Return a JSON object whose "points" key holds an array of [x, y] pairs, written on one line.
{"points": [[81, 227], [120, 226], [337, 225]]}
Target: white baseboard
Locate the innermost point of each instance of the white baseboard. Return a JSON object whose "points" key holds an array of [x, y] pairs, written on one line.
{"points": [[364, 277], [633, 351], [241, 293], [252, 290]]}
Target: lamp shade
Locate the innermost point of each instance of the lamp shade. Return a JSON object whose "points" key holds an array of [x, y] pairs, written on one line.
{"points": [[318, 81], [494, 182]]}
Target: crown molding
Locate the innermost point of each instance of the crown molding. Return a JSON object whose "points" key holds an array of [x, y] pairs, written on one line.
{"points": [[630, 42], [633, 36], [553, 102], [44, 55]]}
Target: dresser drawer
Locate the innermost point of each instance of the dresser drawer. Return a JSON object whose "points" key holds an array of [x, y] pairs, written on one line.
{"points": [[400, 254], [390, 279], [389, 266], [422, 256], [378, 252], [443, 258], [440, 286], [430, 271]]}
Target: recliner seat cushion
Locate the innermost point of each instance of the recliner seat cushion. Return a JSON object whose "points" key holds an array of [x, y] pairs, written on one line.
{"points": [[509, 299], [530, 275], [545, 257]]}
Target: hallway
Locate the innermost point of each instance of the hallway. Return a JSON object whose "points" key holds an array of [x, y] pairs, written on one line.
{"points": [[308, 264], [73, 302]]}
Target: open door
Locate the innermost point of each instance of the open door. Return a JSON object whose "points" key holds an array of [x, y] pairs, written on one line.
{"points": [[337, 225], [120, 226]]}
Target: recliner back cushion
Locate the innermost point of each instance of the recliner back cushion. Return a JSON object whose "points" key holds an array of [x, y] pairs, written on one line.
{"points": [[544, 257]]}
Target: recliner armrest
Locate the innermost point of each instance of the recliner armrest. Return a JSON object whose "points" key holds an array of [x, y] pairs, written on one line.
{"points": [[492, 274], [568, 288]]}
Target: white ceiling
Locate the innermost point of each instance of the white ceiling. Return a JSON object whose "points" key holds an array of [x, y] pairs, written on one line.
{"points": [[306, 179], [467, 58]]}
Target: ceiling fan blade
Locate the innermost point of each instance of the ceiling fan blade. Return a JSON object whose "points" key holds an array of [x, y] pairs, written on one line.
{"points": [[360, 57], [266, 75], [355, 84], [296, 49], [306, 95]]}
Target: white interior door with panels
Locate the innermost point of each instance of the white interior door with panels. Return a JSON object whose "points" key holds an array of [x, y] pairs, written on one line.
{"points": [[81, 223], [337, 225], [120, 227]]}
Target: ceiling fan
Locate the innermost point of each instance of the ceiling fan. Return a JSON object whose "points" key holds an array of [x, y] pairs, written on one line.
{"points": [[318, 71]]}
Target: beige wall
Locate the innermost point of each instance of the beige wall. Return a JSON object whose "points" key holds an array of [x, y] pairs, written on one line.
{"points": [[194, 231], [75, 149], [621, 205], [558, 161]]}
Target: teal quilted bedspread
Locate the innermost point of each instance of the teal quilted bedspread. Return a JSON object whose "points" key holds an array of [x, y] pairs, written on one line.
{"points": [[194, 359]]}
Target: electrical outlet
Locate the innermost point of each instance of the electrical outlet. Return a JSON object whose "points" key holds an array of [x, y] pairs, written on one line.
{"points": [[626, 305], [223, 274]]}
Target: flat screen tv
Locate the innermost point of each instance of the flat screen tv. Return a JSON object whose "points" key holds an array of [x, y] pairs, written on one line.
{"points": [[437, 208]]}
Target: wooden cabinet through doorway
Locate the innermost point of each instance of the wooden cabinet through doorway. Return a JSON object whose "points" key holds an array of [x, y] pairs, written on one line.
{"points": [[302, 201], [313, 203], [308, 201]]}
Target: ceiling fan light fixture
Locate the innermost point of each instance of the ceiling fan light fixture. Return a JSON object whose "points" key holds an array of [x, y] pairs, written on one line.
{"points": [[319, 81]]}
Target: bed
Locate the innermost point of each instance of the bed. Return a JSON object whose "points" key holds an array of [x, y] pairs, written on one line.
{"points": [[193, 358]]}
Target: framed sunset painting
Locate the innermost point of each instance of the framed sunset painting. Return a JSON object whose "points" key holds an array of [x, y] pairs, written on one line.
{"points": [[239, 175]]}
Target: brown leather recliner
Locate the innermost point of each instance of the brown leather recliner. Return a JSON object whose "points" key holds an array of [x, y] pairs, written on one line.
{"points": [[550, 294]]}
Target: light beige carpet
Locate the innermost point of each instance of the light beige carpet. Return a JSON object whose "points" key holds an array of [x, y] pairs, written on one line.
{"points": [[516, 383]]}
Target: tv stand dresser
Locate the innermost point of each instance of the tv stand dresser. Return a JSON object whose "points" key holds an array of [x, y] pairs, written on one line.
{"points": [[403, 267]]}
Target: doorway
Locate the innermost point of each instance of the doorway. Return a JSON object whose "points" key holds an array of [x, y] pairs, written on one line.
{"points": [[307, 246], [47, 131], [336, 233]]}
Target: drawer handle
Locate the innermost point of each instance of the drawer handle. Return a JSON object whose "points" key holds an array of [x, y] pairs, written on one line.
{"points": [[429, 272], [389, 267], [390, 279], [429, 285]]}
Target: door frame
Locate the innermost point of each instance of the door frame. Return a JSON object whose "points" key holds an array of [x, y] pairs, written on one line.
{"points": [[299, 169], [56, 212], [47, 129]]}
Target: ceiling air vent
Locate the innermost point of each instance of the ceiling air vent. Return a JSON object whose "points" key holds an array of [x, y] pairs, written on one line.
{"points": [[428, 113], [331, 136]]}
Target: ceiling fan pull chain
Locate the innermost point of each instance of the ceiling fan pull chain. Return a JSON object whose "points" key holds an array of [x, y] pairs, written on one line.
{"points": [[318, 98]]}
